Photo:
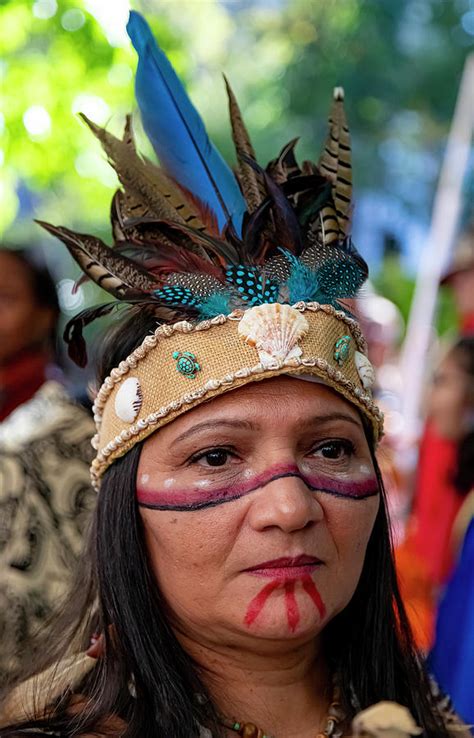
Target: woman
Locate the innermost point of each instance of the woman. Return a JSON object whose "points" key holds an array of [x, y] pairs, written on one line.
{"points": [[45, 492], [450, 416], [240, 555], [452, 410]]}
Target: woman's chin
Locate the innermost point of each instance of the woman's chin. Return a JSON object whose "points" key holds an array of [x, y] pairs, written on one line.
{"points": [[280, 630], [292, 613]]}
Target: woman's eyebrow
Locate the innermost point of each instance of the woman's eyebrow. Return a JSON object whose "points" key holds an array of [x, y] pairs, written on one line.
{"points": [[214, 425], [330, 418]]}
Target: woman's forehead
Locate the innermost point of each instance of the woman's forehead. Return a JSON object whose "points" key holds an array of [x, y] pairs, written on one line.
{"points": [[286, 400]]}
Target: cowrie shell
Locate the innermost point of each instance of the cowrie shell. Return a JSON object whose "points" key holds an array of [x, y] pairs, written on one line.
{"points": [[128, 400]]}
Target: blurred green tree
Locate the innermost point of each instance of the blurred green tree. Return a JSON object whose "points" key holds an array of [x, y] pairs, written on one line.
{"points": [[399, 60]]}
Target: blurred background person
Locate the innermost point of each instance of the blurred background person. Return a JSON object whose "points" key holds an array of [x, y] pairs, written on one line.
{"points": [[44, 459], [452, 414], [460, 278], [426, 557]]}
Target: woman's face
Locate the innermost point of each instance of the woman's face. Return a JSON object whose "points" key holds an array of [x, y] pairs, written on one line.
{"points": [[23, 322], [257, 509], [450, 406]]}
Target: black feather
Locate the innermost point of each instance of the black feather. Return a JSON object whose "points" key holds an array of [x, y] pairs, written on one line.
{"points": [[287, 228], [76, 345]]}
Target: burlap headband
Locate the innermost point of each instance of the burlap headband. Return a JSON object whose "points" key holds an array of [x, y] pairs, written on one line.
{"points": [[182, 365]]}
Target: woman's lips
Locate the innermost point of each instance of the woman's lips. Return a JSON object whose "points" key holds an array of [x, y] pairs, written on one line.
{"points": [[286, 567]]}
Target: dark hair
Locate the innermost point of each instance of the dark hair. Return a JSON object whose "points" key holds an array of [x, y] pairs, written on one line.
{"points": [[369, 644], [463, 478], [42, 284]]}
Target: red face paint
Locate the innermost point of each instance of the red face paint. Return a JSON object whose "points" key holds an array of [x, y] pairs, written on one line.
{"points": [[310, 587], [257, 604], [189, 500], [292, 610]]}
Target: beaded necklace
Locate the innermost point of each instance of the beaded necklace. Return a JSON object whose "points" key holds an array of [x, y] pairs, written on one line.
{"points": [[334, 720]]}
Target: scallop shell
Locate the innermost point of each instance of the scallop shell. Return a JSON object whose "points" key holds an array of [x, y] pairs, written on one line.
{"points": [[128, 400], [365, 370], [274, 330]]}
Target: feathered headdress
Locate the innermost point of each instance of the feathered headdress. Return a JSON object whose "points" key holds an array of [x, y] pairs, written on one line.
{"points": [[193, 240]]}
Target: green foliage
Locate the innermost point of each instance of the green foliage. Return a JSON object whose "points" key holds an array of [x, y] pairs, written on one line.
{"points": [[393, 283], [396, 285], [399, 61]]}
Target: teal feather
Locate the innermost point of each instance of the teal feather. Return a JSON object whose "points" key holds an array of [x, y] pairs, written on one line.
{"points": [[176, 296], [252, 285], [302, 285], [217, 304], [341, 279]]}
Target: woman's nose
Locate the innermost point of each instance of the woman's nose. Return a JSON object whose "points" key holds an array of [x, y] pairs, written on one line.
{"points": [[285, 503]]}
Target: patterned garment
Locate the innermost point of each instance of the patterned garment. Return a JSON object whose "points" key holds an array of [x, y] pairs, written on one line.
{"points": [[45, 502]]}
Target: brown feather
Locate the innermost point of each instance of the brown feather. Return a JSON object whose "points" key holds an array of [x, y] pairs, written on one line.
{"points": [[252, 184], [128, 138], [145, 184], [335, 161], [115, 273], [285, 165]]}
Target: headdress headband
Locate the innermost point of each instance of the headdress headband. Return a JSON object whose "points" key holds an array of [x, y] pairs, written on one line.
{"points": [[245, 274]]}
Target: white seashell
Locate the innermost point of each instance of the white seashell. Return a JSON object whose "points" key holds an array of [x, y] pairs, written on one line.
{"points": [[365, 370], [274, 330], [128, 400]]}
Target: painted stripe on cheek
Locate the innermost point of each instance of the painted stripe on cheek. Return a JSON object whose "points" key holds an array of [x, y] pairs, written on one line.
{"points": [[199, 499]]}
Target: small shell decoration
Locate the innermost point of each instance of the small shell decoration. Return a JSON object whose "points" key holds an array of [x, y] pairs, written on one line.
{"points": [[365, 370], [385, 720], [128, 400], [274, 330]]}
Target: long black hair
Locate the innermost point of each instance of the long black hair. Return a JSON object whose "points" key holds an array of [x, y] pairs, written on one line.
{"points": [[148, 680]]}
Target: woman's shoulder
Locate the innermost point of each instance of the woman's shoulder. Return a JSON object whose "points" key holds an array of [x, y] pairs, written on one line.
{"points": [[33, 702], [30, 699]]}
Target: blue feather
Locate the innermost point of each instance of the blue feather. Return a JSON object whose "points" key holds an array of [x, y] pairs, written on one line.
{"points": [[216, 304], [302, 284], [176, 295], [177, 132]]}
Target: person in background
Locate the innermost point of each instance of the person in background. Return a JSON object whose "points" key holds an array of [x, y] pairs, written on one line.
{"points": [[460, 278], [436, 500], [45, 452], [452, 411]]}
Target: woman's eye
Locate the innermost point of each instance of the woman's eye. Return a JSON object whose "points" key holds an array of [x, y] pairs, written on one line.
{"points": [[335, 450], [216, 457]]}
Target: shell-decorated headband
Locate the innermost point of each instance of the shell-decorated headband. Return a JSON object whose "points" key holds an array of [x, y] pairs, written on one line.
{"points": [[245, 273]]}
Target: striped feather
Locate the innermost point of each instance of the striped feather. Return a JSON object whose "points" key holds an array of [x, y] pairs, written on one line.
{"points": [[133, 172], [114, 272], [285, 166], [335, 161], [251, 182], [147, 187]]}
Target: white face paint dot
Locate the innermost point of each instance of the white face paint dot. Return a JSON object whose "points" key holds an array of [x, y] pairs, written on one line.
{"points": [[128, 400]]}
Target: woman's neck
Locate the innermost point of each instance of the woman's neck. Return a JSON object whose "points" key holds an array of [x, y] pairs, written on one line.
{"points": [[286, 692]]}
